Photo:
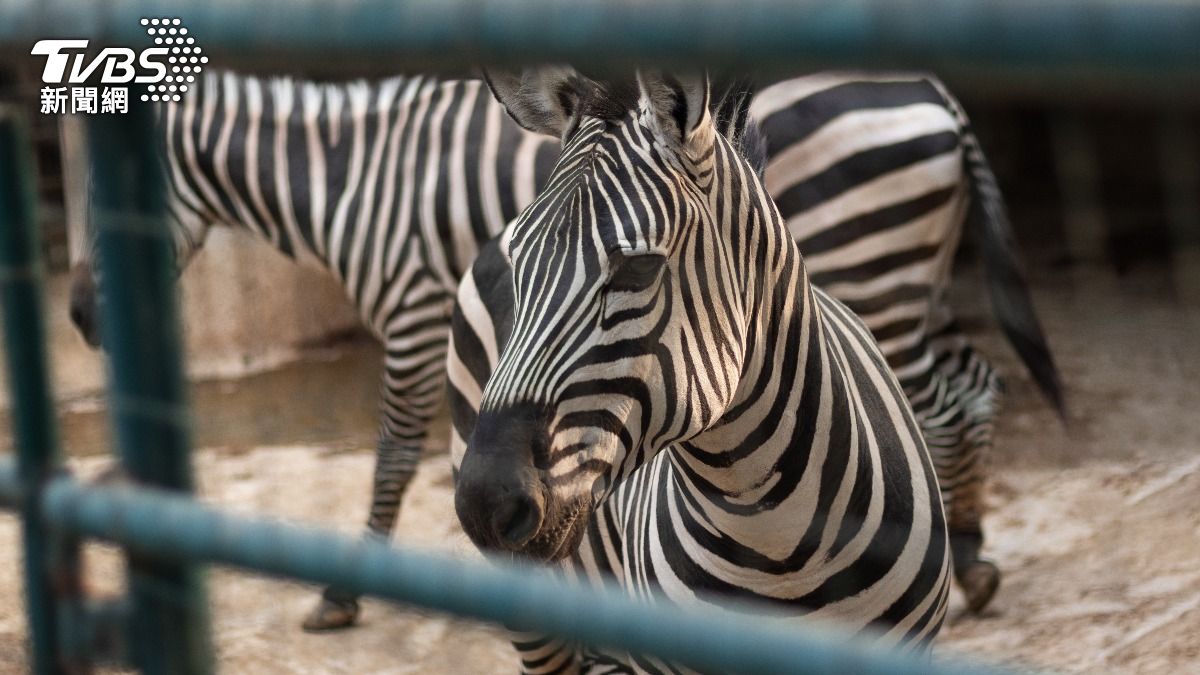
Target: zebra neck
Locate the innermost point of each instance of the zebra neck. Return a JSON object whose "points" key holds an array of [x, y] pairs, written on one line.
{"points": [[781, 336], [736, 457], [754, 477]]}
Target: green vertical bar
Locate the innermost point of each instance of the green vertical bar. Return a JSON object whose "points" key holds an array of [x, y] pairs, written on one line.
{"points": [[168, 631], [28, 379]]}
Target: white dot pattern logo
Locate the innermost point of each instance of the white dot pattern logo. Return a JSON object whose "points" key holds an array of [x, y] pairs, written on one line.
{"points": [[185, 62]]}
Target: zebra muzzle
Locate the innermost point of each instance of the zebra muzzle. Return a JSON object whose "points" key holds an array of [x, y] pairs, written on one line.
{"points": [[500, 506]]}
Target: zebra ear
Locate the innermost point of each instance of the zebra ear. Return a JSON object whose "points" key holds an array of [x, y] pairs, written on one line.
{"points": [[679, 105], [543, 99]]}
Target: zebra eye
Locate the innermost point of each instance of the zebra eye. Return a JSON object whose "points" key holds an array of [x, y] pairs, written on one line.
{"points": [[635, 273]]}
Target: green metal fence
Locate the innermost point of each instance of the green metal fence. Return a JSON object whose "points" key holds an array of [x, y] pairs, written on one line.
{"points": [[1024, 38], [161, 625]]}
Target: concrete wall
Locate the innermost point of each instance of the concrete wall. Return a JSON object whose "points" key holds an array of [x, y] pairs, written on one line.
{"points": [[248, 307], [245, 308]]}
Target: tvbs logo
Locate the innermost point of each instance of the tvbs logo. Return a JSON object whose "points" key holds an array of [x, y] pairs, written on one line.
{"points": [[167, 69]]}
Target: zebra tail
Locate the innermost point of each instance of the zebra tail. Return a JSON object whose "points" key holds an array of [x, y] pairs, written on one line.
{"points": [[1011, 300]]}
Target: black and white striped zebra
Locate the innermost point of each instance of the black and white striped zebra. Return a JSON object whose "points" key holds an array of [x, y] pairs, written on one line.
{"points": [[875, 175], [653, 390], [352, 175], [389, 185]]}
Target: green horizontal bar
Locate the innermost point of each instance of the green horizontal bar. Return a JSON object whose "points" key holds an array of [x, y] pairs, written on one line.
{"points": [[174, 527], [1150, 37]]}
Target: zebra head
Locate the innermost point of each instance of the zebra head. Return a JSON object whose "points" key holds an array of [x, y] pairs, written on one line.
{"points": [[187, 230], [629, 311]]}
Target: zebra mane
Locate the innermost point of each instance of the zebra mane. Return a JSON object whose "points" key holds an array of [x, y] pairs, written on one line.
{"points": [[611, 100], [608, 100], [731, 113], [752, 145]]}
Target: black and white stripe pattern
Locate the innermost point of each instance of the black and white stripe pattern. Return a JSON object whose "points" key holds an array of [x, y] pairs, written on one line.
{"points": [[389, 185], [392, 186], [657, 381], [875, 176]]}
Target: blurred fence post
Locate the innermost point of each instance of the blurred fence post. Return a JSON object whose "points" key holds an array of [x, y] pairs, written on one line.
{"points": [[29, 379], [1179, 159], [1077, 165], [168, 623]]}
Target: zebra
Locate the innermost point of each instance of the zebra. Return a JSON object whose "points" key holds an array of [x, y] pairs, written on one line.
{"points": [[434, 168], [389, 185], [875, 175], [651, 389]]}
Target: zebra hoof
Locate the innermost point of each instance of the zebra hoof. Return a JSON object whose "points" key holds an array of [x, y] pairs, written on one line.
{"points": [[979, 582], [332, 614]]}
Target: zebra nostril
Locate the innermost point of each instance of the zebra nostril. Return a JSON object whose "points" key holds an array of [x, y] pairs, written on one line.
{"points": [[517, 520], [76, 316]]}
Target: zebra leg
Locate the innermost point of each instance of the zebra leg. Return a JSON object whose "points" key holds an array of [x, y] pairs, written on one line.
{"points": [[978, 387], [411, 394], [978, 578], [395, 464], [963, 501], [961, 481]]}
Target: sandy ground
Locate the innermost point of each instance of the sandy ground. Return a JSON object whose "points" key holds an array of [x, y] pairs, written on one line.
{"points": [[1096, 527]]}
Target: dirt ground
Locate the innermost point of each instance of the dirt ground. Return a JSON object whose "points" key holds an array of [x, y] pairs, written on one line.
{"points": [[1096, 527]]}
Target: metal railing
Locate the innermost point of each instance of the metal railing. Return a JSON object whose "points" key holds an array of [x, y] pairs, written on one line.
{"points": [[167, 526], [1028, 38], [161, 625]]}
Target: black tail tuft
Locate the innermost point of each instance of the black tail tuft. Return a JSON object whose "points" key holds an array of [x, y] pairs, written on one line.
{"points": [[1011, 300]]}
